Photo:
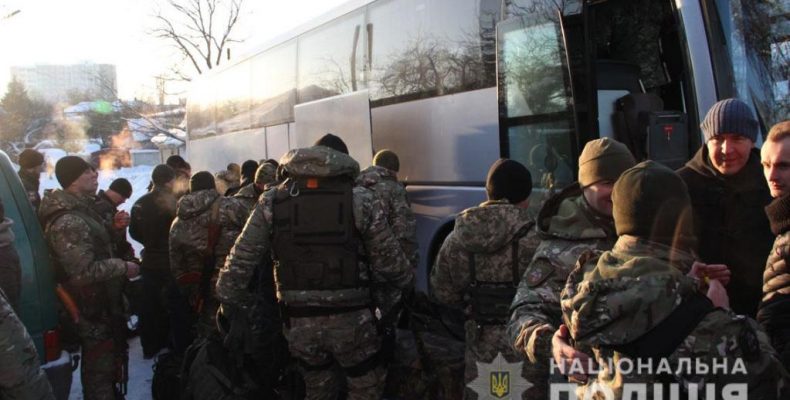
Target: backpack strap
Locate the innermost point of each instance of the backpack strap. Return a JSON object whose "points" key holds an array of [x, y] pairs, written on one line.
{"points": [[514, 252], [213, 228]]}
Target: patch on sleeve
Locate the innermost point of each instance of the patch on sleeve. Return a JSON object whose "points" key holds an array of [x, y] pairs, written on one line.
{"points": [[538, 272]]}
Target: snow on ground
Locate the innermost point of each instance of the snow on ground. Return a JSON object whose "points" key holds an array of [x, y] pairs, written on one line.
{"points": [[140, 375], [140, 372]]}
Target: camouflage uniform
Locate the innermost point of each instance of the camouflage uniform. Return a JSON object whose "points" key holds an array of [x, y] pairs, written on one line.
{"points": [[83, 249], [10, 269], [568, 227], [21, 376], [104, 207], [31, 184], [349, 338], [615, 299], [189, 238], [485, 233], [399, 215]]}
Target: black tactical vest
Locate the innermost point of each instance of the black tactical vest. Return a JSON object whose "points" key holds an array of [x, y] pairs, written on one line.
{"points": [[316, 243]]}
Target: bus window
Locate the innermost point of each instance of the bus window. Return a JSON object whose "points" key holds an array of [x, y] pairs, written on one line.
{"points": [[233, 102], [536, 121], [422, 49], [750, 50], [274, 85], [200, 109], [331, 59]]}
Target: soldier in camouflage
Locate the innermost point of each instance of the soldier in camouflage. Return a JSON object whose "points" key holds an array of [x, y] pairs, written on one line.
{"points": [[31, 165], [106, 205], [193, 237], [382, 178], [82, 250], [480, 264], [228, 178], [10, 268], [21, 376], [573, 221], [636, 302], [264, 177], [332, 331]]}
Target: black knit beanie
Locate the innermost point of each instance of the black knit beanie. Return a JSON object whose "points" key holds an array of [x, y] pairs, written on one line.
{"points": [[333, 142], [177, 162], [651, 201], [730, 116], [122, 187], [248, 169], [508, 179], [162, 174], [202, 180], [387, 159], [69, 168], [30, 158]]}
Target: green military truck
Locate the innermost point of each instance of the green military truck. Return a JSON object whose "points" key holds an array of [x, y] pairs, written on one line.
{"points": [[38, 303]]}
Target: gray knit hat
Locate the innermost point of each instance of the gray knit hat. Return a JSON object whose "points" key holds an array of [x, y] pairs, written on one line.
{"points": [[730, 116]]}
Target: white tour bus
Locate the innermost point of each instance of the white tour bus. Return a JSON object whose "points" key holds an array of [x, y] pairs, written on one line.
{"points": [[452, 85]]}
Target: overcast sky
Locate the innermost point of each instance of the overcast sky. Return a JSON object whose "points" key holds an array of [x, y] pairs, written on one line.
{"points": [[115, 32]]}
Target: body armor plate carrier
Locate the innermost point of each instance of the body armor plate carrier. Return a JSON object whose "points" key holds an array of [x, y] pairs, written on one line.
{"points": [[316, 242]]}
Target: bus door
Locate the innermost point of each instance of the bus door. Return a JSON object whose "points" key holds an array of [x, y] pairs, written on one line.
{"points": [[537, 123], [610, 68], [346, 115]]}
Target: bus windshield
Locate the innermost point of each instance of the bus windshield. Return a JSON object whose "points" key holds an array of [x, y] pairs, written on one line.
{"points": [[750, 50]]}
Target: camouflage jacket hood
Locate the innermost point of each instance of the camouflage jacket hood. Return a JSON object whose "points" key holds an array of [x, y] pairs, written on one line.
{"points": [[374, 174], [57, 200], [248, 192], [567, 215], [622, 294], [194, 204], [498, 220], [319, 161]]}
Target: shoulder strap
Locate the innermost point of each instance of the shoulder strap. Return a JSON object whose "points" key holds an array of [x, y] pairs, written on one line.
{"points": [[213, 227], [514, 252]]}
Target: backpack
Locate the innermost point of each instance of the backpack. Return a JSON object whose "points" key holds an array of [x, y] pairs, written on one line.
{"points": [[210, 373], [315, 241], [166, 384]]}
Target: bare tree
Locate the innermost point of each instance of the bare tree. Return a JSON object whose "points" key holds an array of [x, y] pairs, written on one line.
{"points": [[200, 30]]}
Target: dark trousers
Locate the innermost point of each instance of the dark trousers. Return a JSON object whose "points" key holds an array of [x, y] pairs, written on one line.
{"points": [[154, 320]]}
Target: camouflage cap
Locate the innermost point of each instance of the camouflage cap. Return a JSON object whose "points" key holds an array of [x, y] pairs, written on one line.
{"points": [[603, 159], [265, 173]]}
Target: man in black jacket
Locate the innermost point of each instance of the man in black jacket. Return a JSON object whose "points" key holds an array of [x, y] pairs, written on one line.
{"points": [[774, 312], [151, 217], [728, 193]]}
